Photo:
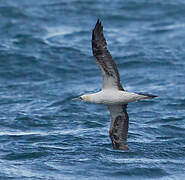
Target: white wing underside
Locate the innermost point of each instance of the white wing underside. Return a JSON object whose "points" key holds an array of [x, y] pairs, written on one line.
{"points": [[110, 82]]}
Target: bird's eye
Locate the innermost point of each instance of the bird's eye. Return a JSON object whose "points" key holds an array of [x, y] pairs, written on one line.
{"points": [[80, 98]]}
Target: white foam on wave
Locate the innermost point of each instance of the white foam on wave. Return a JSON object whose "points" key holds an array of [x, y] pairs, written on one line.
{"points": [[42, 133], [167, 27], [59, 31], [21, 133], [144, 160]]}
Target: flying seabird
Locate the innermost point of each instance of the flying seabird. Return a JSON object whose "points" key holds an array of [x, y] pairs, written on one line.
{"points": [[112, 94]]}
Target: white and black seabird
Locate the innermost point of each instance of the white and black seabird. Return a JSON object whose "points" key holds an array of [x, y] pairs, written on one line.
{"points": [[112, 94]]}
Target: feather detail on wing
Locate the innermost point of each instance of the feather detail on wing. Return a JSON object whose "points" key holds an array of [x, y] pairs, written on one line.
{"points": [[119, 126], [111, 78]]}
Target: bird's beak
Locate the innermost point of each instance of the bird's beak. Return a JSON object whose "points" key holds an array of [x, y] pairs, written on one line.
{"points": [[77, 99]]}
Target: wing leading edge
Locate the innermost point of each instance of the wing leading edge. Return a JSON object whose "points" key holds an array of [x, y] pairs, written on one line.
{"points": [[111, 78]]}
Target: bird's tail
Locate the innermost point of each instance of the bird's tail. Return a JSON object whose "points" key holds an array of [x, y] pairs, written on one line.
{"points": [[147, 96]]}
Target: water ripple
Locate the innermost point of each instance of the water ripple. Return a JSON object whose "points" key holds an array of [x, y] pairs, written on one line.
{"points": [[46, 60]]}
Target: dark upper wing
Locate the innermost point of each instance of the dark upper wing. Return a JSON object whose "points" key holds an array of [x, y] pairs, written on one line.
{"points": [[119, 126], [111, 78]]}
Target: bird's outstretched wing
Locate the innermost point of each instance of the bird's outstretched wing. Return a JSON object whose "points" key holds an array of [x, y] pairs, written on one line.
{"points": [[111, 78], [119, 126]]}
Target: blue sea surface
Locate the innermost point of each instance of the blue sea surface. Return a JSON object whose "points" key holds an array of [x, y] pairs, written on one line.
{"points": [[46, 60]]}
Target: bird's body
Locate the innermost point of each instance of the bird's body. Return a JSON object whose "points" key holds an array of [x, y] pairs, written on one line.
{"points": [[112, 94], [114, 97]]}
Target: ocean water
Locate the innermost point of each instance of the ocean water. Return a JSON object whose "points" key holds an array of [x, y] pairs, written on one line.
{"points": [[46, 60]]}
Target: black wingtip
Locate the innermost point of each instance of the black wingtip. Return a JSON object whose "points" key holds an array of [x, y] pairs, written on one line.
{"points": [[97, 29], [98, 21], [98, 24]]}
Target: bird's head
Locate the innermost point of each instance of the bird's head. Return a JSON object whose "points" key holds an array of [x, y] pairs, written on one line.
{"points": [[85, 98]]}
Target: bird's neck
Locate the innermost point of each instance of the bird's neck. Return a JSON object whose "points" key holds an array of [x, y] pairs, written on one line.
{"points": [[93, 98]]}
